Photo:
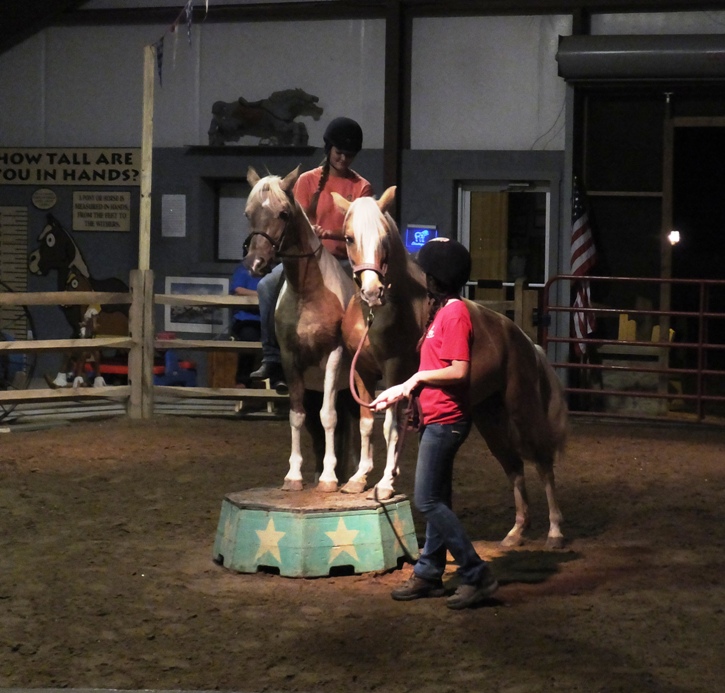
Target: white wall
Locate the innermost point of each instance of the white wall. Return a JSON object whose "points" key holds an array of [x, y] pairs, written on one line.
{"points": [[81, 86], [487, 83], [704, 22], [478, 83]]}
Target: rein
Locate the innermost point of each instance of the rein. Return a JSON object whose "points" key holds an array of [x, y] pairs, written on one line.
{"points": [[401, 437], [410, 404]]}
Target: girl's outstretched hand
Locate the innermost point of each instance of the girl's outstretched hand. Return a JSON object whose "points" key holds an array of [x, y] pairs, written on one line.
{"points": [[395, 393], [387, 398]]}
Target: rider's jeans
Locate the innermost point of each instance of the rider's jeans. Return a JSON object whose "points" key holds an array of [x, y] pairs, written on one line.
{"points": [[268, 293], [437, 449]]}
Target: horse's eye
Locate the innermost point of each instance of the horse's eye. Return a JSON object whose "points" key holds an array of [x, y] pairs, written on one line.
{"points": [[50, 240]]}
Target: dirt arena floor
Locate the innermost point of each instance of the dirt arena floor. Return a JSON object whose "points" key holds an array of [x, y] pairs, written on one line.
{"points": [[107, 578]]}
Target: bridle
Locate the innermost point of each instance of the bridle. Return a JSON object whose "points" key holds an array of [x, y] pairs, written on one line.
{"points": [[380, 269], [277, 245]]}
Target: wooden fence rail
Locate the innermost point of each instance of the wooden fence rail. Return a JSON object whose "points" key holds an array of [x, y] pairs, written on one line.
{"points": [[142, 344]]}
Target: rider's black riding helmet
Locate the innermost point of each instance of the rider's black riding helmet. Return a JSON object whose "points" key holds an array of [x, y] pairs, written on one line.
{"points": [[447, 261], [345, 134]]}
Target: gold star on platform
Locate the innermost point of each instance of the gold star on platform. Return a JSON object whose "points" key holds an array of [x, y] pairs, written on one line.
{"points": [[269, 541], [343, 539]]}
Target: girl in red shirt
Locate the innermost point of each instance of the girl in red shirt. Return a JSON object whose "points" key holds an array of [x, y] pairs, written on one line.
{"points": [[442, 385]]}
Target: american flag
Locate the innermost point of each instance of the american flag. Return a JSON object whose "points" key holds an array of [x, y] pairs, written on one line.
{"points": [[583, 258]]}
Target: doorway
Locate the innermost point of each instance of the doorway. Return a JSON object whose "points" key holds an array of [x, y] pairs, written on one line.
{"points": [[698, 213], [505, 225]]}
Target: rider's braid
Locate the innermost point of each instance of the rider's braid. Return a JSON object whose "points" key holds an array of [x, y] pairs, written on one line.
{"points": [[438, 295], [312, 210], [434, 305]]}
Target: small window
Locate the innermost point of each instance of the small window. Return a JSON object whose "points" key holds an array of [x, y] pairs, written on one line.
{"points": [[232, 225]]}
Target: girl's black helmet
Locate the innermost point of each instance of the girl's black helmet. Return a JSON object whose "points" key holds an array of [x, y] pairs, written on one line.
{"points": [[447, 261], [345, 134]]}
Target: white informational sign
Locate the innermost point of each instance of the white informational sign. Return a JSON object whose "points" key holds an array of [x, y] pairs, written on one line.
{"points": [[101, 211], [173, 216]]}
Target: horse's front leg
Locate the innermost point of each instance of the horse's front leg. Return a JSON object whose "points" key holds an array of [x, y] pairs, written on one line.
{"points": [[384, 489], [328, 419], [358, 481], [293, 480]]}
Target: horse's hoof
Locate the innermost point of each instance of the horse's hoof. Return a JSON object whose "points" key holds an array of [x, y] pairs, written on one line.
{"points": [[292, 485], [512, 541], [380, 494], [327, 486], [555, 542], [351, 486]]}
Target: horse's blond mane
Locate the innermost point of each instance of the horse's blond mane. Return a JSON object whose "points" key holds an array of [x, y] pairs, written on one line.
{"points": [[367, 215]]}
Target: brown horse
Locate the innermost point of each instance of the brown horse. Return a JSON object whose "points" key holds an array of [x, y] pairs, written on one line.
{"points": [[518, 401], [309, 310]]}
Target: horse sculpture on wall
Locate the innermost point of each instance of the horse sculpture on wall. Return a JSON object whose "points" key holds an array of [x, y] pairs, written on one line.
{"points": [[309, 311], [271, 119], [518, 401], [57, 251]]}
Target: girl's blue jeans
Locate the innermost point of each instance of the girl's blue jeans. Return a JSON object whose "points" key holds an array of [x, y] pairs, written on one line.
{"points": [[437, 450]]}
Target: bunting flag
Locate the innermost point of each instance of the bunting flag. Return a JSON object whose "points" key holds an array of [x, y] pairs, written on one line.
{"points": [[186, 15], [159, 48], [583, 258], [189, 9]]}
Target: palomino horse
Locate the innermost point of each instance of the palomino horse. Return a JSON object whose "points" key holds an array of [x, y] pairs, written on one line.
{"points": [[57, 251], [397, 319], [518, 401], [309, 310]]}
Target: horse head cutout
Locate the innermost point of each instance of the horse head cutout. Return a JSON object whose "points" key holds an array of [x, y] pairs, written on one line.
{"points": [[56, 251]]}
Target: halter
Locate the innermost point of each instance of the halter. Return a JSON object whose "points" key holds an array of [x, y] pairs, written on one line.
{"points": [[381, 270], [277, 245]]}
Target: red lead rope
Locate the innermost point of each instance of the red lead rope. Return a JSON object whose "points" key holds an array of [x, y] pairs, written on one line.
{"points": [[409, 409]]}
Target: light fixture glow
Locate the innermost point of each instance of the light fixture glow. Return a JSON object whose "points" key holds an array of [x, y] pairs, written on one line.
{"points": [[674, 237]]}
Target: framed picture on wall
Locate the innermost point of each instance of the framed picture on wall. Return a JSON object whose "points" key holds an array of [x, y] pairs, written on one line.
{"points": [[200, 319]]}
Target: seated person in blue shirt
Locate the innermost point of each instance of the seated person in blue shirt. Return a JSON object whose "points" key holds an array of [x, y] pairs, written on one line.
{"points": [[246, 326]]}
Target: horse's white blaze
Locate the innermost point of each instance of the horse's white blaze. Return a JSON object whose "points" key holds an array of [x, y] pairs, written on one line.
{"points": [[368, 230]]}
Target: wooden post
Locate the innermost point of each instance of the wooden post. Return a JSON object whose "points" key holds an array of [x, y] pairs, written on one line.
{"points": [[141, 355], [147, 145], [149, 334], [135, 354]]}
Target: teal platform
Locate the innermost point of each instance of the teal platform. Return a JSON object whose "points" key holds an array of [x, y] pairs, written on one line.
{"points": [[312, 534]]}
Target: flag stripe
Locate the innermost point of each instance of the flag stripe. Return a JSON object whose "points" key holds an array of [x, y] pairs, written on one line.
{"points": [[583, 258]]}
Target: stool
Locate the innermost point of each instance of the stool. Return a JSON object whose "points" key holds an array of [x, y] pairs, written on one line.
{"points": [[312, 534]]}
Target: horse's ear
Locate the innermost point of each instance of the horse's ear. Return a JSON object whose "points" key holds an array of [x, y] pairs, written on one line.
{"points": [[288, 182], [252, 176], [387, 199], [340, 202]]}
